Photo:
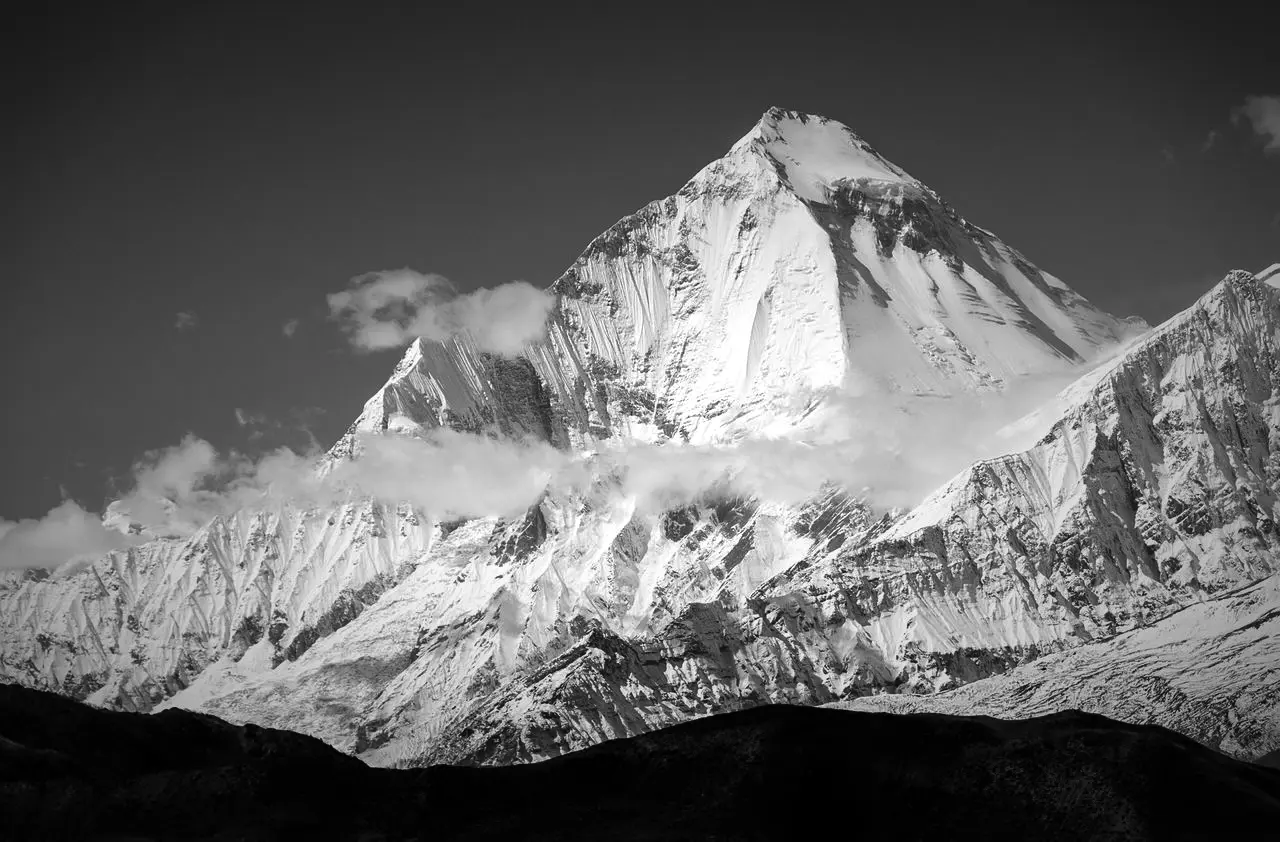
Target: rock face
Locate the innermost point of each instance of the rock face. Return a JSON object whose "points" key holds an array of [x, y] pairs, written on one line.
{"points": [[799, 268], [1210, 671], [74, 772]]}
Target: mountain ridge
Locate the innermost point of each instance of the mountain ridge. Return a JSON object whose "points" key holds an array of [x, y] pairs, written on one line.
{"points": [[69, 771]]}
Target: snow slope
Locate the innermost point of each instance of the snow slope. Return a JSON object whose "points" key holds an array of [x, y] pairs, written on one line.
{"points": [[1210, 671]]}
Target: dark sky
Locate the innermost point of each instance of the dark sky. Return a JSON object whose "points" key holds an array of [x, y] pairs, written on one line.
{"points": [[241, 165]]}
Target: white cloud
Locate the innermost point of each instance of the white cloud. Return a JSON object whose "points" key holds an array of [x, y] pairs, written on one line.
{"points": [[1210, 141], [247, 418], [67, 532], [889, 448], [290, 327], [179, 489], [170, 493], [186, 320], [1263, 114], [455, 474], [390, 309]]}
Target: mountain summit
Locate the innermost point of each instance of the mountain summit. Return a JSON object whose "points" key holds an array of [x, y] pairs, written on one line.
{"points": [[817, 155]]}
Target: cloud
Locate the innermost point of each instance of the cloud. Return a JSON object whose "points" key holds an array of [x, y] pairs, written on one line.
{"points": [[890, 448], [1263, 114], [1210, 140], [176, 490], [1167, 156], [67, 532], [886, 447], [455, 474], [186, 320], [245, 418], [170, 493], [389, 309], [290, 327]]}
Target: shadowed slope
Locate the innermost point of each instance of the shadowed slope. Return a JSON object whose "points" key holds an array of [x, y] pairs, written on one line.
{"points": [[776, 772]]}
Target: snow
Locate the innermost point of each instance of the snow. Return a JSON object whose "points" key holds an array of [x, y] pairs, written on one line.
{"points": [[817, 153], [1208, 671]]}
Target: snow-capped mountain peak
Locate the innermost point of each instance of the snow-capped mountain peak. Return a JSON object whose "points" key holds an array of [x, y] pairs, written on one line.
{"points": [[798, 269], [815, 155]]}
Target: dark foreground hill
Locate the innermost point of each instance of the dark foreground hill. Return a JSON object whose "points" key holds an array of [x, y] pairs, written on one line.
{"points": [[72, 771]]}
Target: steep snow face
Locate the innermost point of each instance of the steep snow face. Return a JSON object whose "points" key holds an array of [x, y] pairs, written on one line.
{"points": [[135, 627], [1155, 487], [801, 262], [453, 385], [1211, 671]]}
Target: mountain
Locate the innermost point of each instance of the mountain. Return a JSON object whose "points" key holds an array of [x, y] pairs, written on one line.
{"points": [[800, 263], [797, 276], [70, 771]]}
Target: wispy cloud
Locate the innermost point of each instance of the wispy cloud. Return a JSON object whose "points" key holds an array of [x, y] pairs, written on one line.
{"points": [[67, 532], [390, 309], [888, 448], [246, 418], [1167, 156], [290, 327], [186, 320], [1263, 115], [1210, 140]]}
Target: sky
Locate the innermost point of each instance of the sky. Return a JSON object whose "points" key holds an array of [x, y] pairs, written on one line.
{"points": [[184, 188]]}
